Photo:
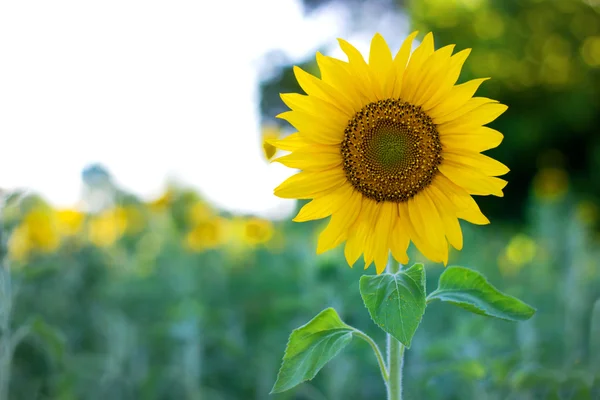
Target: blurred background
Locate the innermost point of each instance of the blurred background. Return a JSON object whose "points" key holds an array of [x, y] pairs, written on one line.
{"points": [[146, 257]]}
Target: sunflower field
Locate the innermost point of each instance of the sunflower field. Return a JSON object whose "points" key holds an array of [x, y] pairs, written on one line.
{"points": [[172, 299], [175, 298]]}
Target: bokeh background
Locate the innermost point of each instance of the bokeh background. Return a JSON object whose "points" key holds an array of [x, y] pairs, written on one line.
{"points": [[190, 291]]}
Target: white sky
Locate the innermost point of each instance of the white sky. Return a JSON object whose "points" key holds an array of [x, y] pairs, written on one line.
{"points": [[152, 90]]}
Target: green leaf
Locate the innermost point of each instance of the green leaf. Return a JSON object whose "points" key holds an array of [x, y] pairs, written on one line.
{"points": [[311, 347], [396, 302], [470, 290]]}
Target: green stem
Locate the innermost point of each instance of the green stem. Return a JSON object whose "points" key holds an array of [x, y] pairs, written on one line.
{"points": [[396, 362], [380, 360], [395, 353]]}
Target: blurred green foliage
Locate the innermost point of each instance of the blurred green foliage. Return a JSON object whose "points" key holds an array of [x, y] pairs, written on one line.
{"points": [[150, 306]]}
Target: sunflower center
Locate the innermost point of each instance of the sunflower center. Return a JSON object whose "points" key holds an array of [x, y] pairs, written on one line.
{"points": [[391, 150]]}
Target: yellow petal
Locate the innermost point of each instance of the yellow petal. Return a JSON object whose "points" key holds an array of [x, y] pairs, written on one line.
{"points": [[341, 221], [360, 70], [354, 57], [385, 222], [352, 249], [380, 60], [466, 207], [456, 63], [434, 70], [415, 65], [469, 106], [477, 140], [473, 214], [324, 206], [370, 225], [456, 194], [480, 116], [358, 232], [415, 234], [447, 212], [455, 99], [289, 143], [337, 73], [314, 106], [393, 87], [425, 217], [474, 182], [306, 185], [315, 128], [399, 240], [313, 158], [480, 162], [313, 86], [318, 116]]}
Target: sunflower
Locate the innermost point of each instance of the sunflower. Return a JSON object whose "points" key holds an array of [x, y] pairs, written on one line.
{"points": [[207, 234], [257, 231], [391, 150], [69, 222], [107, 227]]}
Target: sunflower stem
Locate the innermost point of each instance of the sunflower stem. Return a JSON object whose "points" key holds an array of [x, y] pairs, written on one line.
{"points": [[395, 352]]}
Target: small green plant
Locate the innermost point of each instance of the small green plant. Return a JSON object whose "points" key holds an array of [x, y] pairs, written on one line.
{"points": [[396, 301]]}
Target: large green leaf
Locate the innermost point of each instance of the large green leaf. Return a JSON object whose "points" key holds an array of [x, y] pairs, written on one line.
{"points": [[396, 302], [310, 347], [470, 290]]}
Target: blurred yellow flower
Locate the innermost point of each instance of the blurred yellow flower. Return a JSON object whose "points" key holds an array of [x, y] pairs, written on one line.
{"points": [[587, 212], [69, 222], [247, 233], [521, 250], [257, 231], [200, 212], [19, 245], [42, 228], [37, 232], [269, 134], [550, 183], [107, 227], [207, 234], [590, 51]]}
